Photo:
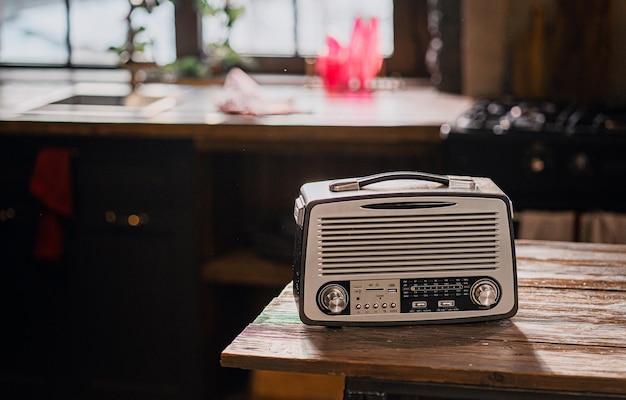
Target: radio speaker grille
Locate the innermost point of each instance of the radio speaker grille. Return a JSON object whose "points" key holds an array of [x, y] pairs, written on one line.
{"points": [[411, 243]]}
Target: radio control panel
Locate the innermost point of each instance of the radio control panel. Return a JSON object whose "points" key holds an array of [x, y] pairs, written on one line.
{"points": [[375, 296], [414, 295]]}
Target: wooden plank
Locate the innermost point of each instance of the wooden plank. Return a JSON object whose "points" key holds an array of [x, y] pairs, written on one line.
{"points": [[571, 265], [532, 350], [584, 277], [568, 334], [574, 253], [544, 315], [431, 354]]}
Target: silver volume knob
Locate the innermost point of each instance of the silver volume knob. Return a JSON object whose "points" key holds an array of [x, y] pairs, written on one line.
{"points": [[485, 293], [334, 298]]}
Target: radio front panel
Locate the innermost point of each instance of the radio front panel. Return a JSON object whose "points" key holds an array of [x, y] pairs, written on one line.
{"points": [[449, 260]]}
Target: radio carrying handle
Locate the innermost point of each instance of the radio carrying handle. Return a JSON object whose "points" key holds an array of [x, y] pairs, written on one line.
{"points": [[346, 185]]}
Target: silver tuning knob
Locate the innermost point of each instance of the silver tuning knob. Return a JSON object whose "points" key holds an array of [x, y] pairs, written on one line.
{"points": [[334, 298], [485, 293]]}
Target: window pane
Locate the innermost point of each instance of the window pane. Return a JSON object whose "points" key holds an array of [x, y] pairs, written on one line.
{"points": [[159, 33], [33, 31], [267, 27], [318, 18], [96, 26]]}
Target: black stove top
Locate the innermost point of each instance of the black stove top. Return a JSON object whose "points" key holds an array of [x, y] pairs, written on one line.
{"points": [[545, 155], [501, 117]]}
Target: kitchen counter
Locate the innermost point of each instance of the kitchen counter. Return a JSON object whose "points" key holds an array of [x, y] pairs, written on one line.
{"points": [[379, 120]]}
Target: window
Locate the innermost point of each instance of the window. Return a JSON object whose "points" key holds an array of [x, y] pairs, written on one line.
{"points": [[79, 32], [33, 33], [287, 27], [297, 29], [280, 34]]}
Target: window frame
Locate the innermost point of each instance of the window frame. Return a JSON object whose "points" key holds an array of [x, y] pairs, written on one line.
{"points": [[411, 40]]}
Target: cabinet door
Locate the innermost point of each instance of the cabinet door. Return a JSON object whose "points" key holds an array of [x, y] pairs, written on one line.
{"points": [[133, 270], [33, 295]]}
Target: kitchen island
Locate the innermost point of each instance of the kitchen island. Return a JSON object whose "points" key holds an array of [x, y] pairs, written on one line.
{"points": [[172, 209], [410, 113]]}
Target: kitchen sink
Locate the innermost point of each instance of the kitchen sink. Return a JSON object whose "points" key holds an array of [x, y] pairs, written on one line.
{"points": [[105, 99]]}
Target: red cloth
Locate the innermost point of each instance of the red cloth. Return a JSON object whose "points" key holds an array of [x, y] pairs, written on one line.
{"points": [[51, 184]]}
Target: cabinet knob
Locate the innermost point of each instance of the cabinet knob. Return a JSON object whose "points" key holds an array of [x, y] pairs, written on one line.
{"points": [[132, 220], [7, 214]]}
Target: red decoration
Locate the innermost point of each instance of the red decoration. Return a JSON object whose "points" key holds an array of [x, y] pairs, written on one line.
{"points": [[354, 66]]}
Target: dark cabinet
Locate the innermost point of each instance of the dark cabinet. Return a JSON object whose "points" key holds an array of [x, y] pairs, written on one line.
{"points": [[117, 315]]}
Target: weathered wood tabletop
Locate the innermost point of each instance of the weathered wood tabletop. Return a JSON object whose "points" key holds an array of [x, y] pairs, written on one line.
{"points": [[568, 335]]}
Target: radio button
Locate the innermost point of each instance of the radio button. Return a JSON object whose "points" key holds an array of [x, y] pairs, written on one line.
{"points": [[419, 304], [446, 303]]}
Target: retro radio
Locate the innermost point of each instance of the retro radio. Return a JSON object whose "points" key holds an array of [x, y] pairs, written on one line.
{"points": [[404, 248]]}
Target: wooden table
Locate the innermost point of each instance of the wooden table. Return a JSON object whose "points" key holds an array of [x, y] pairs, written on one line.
{"points": [[567, 340]]}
